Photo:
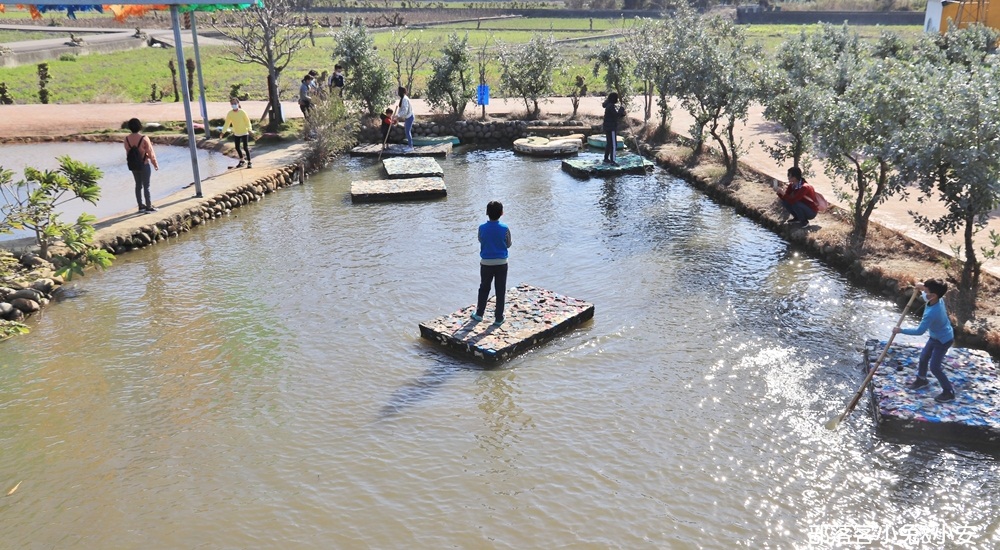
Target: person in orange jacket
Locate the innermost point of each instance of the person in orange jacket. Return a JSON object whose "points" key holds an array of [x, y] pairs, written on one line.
{"points": [[799, 198]]}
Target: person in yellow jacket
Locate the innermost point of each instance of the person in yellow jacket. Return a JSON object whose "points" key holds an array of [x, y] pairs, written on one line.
{"points": [[238, 121]]}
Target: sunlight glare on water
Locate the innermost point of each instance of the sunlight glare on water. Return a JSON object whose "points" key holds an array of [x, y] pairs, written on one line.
{"points": [[260, 382]]}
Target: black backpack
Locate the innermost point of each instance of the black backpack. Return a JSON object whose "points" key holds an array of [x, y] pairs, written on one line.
{"points": [[134, 157]]}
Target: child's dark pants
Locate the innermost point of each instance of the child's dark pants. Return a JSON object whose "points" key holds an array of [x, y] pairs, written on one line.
{"points": [[497, 274]]}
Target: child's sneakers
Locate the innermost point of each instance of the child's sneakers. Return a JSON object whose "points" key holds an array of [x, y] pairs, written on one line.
{"points": [[498, 322], [476, 317], [918, 383], [945, 397]]}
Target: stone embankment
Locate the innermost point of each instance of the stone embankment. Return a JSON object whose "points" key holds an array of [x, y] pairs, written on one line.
{"points": [[474, 131], [34, 282]]}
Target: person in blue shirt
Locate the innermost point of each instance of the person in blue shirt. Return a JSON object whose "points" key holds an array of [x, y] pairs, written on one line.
{"points": [[940, 337], [494, 240]]}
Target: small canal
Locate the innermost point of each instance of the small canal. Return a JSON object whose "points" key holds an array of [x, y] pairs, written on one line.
{"points": [[260, 383], [117, 184]]}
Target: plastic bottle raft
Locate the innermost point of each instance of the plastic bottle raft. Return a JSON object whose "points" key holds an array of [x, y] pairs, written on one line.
{"points": [[600, 141], [401, 150], [537, 146], [973, 418], [532, 316], [587, 167], [435, 140], [412, 167]]}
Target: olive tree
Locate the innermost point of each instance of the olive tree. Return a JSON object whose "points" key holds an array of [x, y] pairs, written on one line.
{"points": [[862, 133], [717, 78], [409, 54], [369, 81], [651, 43], [450, 86], [954, 151], [527, 70], [617, 61], [31, 203]]}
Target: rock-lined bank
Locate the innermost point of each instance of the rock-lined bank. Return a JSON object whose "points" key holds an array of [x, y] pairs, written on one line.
{"points": [[33, 282], [472, 131], [751, 196], [206, 209]]}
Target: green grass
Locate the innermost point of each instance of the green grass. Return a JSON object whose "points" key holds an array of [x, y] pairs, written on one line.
{"points": [[537, 24], [770, 37], [88, 79]]}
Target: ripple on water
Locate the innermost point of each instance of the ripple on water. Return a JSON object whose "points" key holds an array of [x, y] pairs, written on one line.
{"points": [[262, 382]]}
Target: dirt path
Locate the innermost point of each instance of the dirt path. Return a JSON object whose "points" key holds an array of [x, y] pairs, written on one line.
{"points": [[59, 120]]}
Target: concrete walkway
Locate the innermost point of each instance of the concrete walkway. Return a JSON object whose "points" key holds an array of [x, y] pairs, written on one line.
{"points": [[58, 120]]}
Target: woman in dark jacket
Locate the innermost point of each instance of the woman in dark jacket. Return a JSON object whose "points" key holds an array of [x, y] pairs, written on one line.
{"points": [[612, 112]]}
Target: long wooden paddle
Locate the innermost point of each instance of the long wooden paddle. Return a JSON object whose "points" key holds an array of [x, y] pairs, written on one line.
{"points": [[835, 421], [386, 140]]}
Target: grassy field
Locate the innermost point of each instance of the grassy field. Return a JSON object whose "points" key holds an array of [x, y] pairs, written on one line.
{"points": [[18, 36], [85, 79]]}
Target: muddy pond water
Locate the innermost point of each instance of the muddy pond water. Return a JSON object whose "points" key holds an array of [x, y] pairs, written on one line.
{"points": [[117, 184], [260, 383]]}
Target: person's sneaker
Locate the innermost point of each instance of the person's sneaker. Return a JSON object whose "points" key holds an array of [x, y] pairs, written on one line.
{"points": [[142, 209], [249, 164], [240, 164], [476, 317], [614, 163], [150, 208], [945, 397], [498, 322], [918, 383]]}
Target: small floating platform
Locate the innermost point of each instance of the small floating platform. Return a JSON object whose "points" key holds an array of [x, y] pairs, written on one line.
{"points": [[435, 140], [544, 147], [440, 150], [533, 316], [412, 167], [973, 418], [627, 164], [600, 141], [408, 189]]}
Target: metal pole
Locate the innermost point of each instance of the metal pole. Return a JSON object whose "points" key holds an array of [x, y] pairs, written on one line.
{"points": [[192, 144], [201, 81]]}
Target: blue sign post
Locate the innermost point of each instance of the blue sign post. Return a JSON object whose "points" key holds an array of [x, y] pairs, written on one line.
{"points": [[483, 94]]}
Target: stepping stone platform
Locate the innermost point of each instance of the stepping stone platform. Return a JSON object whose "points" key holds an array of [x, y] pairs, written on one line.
{"points": [[412, 167], [627, 164], [396, 150], [973, 418], [408, 189], [533, 316]]}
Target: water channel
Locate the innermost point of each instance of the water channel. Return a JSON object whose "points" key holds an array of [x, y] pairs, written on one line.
{"points": [[260, 383], [117, 183]]}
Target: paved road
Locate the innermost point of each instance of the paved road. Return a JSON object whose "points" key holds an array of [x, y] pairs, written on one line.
{"points": [[54, 120]]}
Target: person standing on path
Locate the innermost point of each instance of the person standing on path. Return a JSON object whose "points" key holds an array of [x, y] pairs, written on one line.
{"points": [[238, 121], [612, 114], [337, 80], [139, 155], [799, 198], [305, 101], [941, 336], [494, 240], [405, 113]]}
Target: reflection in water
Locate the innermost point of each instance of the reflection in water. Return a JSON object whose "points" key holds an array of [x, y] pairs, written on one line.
{"points": [[261, 382]]}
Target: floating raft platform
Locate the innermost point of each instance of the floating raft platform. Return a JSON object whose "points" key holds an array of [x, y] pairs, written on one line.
{"points": [[627, 164], [408, 189], [532, 316], [412, 167], [440, 150], [973, 418]]}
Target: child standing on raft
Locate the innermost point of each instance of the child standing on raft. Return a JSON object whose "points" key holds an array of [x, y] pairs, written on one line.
{"points": [[494, 240], [612, 113], [941, 337]]}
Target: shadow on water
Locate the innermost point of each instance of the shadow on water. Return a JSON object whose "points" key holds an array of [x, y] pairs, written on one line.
{"points": [[443, 367]]}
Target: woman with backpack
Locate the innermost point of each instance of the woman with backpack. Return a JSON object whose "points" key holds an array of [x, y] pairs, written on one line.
{"points": [[139, 154]]}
